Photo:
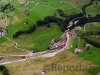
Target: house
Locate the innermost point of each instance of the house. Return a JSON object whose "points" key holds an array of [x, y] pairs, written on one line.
{"points": [[78, 50], [26, 12], [2, 32]]}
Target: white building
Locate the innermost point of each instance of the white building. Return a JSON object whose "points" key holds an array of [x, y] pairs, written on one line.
{"points": [[78, 50]]}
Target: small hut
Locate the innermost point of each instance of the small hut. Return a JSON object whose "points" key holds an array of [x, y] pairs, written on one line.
{"points": [[2, 32], [78, 50]]}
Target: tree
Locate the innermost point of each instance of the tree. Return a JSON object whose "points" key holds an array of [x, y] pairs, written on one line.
{"points": [[4, 70]]}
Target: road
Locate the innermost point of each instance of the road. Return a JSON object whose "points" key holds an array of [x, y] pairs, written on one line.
{"points": [[40, 54]]}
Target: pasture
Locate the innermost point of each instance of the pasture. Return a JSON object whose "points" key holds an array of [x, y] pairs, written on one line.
{"points": [[40, 39], [65, 58], [93, 53], [37, 10], [1, 73]]}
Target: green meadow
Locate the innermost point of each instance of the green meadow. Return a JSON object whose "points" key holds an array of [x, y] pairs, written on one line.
{"points": [[1, 73], [39, 9], [40, 39], [93, 53]]}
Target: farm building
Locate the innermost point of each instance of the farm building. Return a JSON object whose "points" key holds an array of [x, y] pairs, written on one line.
{"points": [[2, 32]]}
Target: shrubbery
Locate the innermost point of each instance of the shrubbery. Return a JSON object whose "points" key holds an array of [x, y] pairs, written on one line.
{"points": [[63, 23], [4, 70], [7, 7], [30, 30], [61, 13], [46, 21], [86, 5], [92, 42], [82, 20]]}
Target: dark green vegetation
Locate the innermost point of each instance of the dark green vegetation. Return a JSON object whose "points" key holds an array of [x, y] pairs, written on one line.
{"points": [[95, 71], [30, 19], [91, 34], [91, 53], [41, 38], [65, 24], [7, 8], [3, 70], [94, 7]]}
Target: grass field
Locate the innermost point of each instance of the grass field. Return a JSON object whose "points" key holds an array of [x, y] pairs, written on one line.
{"points": [[65, 58], [1, 73], [92, 53], [40, 39], [95, 71], [7, 48], [94, 8], [38, 9], [2, 40]]}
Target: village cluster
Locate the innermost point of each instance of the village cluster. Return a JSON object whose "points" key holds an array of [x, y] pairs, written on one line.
{"points": [[58, 44]]}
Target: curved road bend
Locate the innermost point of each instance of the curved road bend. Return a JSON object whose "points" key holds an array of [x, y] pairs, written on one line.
{"points": [[41, 54]]}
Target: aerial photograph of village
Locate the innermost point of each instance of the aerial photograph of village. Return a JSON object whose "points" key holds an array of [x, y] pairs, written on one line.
{"points": [[49, 37]]}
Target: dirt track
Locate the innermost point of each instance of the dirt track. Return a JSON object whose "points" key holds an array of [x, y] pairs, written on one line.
{"points": [[40, 54]]}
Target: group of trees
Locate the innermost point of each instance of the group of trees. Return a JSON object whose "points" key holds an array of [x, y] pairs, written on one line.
{"points": [[46, 21], [50, 19], [83, 20], [90, 33], [85, 36], [61, 13], [72, 17], [86, 5], [4, 70], [7, 7], [30, 30], [63, 24], [90, 41]]}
